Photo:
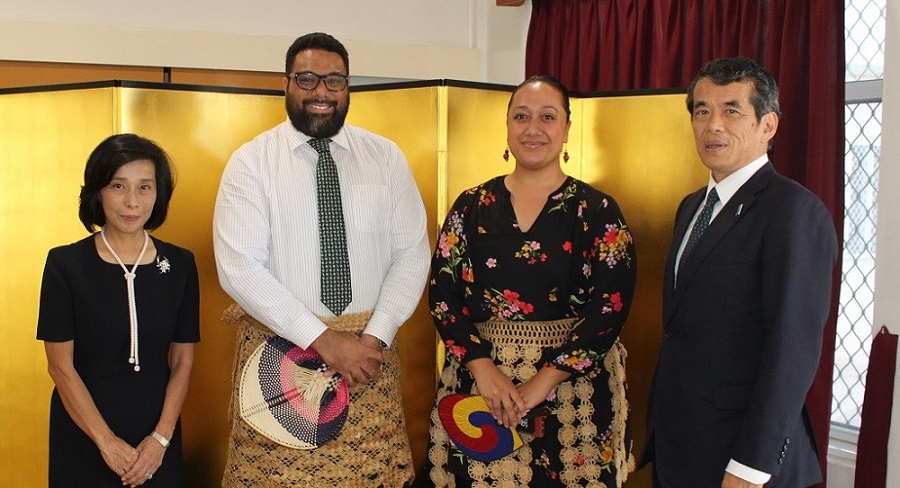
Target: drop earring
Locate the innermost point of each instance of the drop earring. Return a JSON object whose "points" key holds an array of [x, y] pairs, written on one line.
{"points": [[565, 153], [506, 155]]}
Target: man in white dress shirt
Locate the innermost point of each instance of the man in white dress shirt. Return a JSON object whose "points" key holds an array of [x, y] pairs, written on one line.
{"points": [[268, 257]]}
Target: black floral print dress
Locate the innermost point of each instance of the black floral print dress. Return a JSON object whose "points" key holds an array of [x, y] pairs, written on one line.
{"points": [[576, 262]]}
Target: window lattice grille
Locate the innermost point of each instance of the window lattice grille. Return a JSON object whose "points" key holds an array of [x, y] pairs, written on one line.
{"points": [[864, 24], [854, 323]]}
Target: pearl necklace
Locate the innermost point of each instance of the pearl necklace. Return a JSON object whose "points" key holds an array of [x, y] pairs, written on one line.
{"points": [[132, 308]]}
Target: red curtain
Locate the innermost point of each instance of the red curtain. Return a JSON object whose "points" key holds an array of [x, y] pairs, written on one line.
{"points": [[609, 45]]}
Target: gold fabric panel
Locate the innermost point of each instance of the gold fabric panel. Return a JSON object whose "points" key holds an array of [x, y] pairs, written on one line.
{"points": [[45, 139], [200, 130], [410, 118]]}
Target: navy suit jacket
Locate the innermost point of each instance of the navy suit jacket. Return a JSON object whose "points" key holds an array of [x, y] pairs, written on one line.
{"points": [[742, 335]]}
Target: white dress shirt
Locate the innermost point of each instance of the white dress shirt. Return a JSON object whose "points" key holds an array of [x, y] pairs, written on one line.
{"points": [[266, 237], [726, 189]]}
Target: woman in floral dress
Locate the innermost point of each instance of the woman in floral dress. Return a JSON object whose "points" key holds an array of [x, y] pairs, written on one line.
{"points": [[531, 283]]}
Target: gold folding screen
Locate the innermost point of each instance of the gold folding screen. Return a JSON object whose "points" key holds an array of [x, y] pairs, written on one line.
{"points": [[639, 149], [44, 140]]}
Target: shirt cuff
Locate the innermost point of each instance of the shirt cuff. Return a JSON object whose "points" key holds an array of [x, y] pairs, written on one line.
{"points": [[381, 327], [304, 331], [747, 473]]}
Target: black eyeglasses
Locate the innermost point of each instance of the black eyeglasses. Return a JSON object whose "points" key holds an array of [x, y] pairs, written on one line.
{"points": [[307, 80]]}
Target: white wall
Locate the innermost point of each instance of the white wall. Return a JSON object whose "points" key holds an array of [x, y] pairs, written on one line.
{"points": [[887, 269], [470, 40]]}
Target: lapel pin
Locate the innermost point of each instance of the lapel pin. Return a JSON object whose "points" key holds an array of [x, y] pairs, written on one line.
{"points": [[740, 207]]}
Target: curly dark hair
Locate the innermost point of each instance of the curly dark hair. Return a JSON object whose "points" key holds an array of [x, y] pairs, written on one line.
{"points": [[316, 40]]}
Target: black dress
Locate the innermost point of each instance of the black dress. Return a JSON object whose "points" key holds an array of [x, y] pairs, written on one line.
{"points": [[84, 299], [576, 262]]}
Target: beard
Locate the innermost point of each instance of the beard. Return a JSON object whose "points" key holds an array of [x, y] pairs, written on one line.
{"points": [[316, 125]]}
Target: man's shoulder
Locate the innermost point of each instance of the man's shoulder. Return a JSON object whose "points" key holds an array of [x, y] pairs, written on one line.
{"points": [[355, 133], [268, 136], [266, 145], [785, 198], [373, 148], [781, 187], [767, 184]]}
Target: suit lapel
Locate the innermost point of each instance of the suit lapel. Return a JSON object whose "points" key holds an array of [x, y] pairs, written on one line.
{"points": [[737, 207]]}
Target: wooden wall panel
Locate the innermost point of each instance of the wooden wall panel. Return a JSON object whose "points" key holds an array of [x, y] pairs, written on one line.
{"points": [[239, 79], [14, 74], [22, 73]]}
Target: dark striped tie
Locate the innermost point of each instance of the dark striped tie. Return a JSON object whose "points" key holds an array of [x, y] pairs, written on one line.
{"points": [[701, 224], [335, 263]]}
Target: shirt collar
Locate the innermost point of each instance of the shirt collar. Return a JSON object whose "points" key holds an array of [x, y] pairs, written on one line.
{"points": [[298, 138], [733, 182]]}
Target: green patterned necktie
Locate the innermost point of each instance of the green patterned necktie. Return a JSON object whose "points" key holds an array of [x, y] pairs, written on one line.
{"points": [[335, 264]]}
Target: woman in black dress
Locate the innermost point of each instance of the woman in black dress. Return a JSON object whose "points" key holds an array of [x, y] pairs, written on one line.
{"points": [[119, 316], [531, 282]]}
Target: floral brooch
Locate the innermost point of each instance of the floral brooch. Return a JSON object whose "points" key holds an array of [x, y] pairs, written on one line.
{"points": [[162, 263]]}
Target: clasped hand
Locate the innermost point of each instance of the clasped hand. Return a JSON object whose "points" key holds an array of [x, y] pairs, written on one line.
{"points": [[507, 404], [510, 403], [357, 359], [133, 465]]}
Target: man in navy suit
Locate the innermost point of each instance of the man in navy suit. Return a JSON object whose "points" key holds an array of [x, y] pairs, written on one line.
{"points": [[745, 302]]}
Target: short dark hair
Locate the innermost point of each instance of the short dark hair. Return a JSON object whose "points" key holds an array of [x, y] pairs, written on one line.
{"points": [[729, 70], [315, 40], [563, 91], [110, 155]]}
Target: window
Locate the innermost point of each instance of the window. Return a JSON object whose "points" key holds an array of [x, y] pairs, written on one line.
{"points": [[864, 34]]}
